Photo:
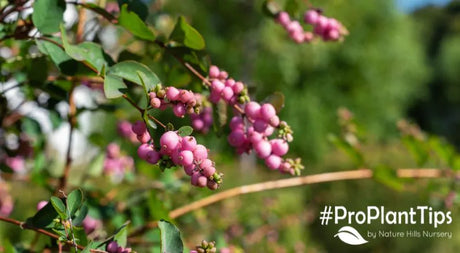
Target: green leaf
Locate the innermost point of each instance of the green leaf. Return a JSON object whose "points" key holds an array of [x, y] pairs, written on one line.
{"points": [[48, 14], [128, 71], [43, 218], [185, 131], [63, 61], [121, 236], [80, 216], [59, 207], [74, 201], [149, 121], [388, 177], [8, 247], [88, 52], [185, 35], [137, 6], [114, 86], [291, 7], [134, 24], [170, 238]]}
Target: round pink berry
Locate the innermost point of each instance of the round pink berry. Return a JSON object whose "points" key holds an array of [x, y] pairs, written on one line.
{"points": [[279, 147], [308, 37], [273, 162], [283, 18], [217, 86], [202, 181], [186, 158], [332, 35], [294, 27], [230, 82], [311, 17], [153, 157], [236, 138], [223, 75], [269, 131], [189, 169], [188, 143], [227, 93], [186, 96], [212, 185], [155, 102], [143, 150], [214, 97], [298, 36], [144, 138], [172, 93], [274, 121], [214, 71], [113, 150], [238, 87], [263, 149], [236, 123], [267, 111], [252, 110], [200, 152], [194, 178], [260, 125], [139, 127], [179, 110], [169, 141], [255, 137], [197, 124], [205, 163], [208, 171]]}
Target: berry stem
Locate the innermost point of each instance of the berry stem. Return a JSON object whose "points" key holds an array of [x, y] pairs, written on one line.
{"points": [[157, 121], [133, 104]]}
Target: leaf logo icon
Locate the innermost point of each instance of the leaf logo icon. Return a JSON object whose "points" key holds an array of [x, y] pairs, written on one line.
{"points": [[350, 236]]}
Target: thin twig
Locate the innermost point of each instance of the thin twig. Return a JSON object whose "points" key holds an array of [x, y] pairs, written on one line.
{"points": [[133, 103], [81, 23], [291, 182], [157, 121]]}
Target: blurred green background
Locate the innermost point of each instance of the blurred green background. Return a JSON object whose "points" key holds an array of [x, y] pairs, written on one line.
{"points": [[394, 64]]}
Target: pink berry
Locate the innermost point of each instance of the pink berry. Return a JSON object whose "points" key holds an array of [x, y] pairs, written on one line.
{"points": [[139, 127], [169, 141], [214, 97], [152, 95], [308, 37], [188, 143], [202, 181], [236, 123], [144, 138], [200, 152], [175, 157], [186, 96], [189, 169], [153, 157], [294, 26], [269, 131], [236, 138], [311, 17], [274, 121], [252, 110], [155, 102], [179, 110], [41, 204], [332, 35], [267, 111], [229, 83], [273, 162], [212, 185], [194, 178], [227, 93], [217, 86], [238, 87], [186, 158], [322, 24], [206, 163], [333, 24], [223, 75], [260, 125], [172, 93], [214, 71], [208, 171], [143, 150], [255, 137], [298, 36], [285, 167], [279, 147], [113, 150], [198, 124], [283, 18], [263, 149]]}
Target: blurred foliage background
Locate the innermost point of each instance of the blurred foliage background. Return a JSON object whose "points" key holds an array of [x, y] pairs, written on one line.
{"points": [[392, 65]]}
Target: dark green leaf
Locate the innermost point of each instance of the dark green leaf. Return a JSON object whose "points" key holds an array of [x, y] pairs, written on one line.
{"points": [[185, 35], [128, 70], [291, 7], [74, 201], [114, 86], [81, 214], [59, 207], [170, 238], [388, 177], [47, 15], [43, 218], [137, 6], [63, 61], [185, 131], [80, 235], [131, 21]]}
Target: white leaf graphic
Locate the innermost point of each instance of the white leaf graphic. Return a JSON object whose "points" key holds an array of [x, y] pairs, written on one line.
{"points": [[350, 236]]}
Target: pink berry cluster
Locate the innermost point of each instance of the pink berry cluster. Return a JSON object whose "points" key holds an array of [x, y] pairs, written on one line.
{"points": [[328, 29], [182, 101], [124, 130], [227, 89], [113, 247], [252, 126], [181, 151], [202, 121], [253, 131], [116, 164]]}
